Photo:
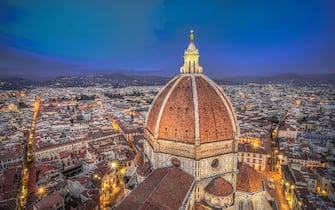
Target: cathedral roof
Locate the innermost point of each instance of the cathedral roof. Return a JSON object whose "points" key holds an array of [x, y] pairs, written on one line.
{"points": [[191, 108], [164, 188], [219, 187], [248, 180]]}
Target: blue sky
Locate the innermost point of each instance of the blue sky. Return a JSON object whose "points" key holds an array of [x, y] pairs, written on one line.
{"points": [[235, 37]]}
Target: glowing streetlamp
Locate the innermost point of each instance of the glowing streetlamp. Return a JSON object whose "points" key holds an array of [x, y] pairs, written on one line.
{"points": [[123, 170], [114, 164], [41, 190]]}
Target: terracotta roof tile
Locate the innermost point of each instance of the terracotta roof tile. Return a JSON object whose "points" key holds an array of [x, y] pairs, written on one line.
{"points": [[152, 193], [177, 104], [49, 201], [155, 107], [219, 187], [32, 179], [177, 121], [248, 180], [215, 123], [64, 154]]}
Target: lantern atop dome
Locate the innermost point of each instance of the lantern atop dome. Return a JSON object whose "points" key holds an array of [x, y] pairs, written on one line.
{"points": [[191, 58]]}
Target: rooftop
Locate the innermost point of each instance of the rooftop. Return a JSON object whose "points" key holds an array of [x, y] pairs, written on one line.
{"points": [[248, 180], [152, 193]]}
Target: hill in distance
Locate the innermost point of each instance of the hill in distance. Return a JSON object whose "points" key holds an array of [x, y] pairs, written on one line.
{"points": [[124, 80]]}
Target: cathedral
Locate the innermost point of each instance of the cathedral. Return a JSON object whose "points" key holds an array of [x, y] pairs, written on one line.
{"points": [[189, 160]]}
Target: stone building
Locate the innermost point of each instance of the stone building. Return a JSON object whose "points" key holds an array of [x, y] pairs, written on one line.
{"points": [[190, 149]]}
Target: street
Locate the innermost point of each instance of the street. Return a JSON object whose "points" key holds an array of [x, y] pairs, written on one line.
{"points": [[277, 192]]}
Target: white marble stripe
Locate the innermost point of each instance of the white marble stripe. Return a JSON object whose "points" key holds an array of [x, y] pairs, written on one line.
{"points": [[164, 103], [226, 103], [157, 96], [196, 110]]}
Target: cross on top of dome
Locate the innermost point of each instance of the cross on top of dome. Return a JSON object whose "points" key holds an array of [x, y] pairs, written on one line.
{"points": [[191, 35]]}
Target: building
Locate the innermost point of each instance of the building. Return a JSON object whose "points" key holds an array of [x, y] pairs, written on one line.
{"points": [[252, 155], [55, 202], [325, 180], [190, 148], [107, 178]]}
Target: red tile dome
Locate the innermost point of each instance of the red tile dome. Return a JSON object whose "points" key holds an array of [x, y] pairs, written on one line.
{"points": [[248, 180], [191, 107], [219, 187]]}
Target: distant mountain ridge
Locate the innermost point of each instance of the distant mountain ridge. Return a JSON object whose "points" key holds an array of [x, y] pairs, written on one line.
{"points": [[285, 78], [123, 80]]}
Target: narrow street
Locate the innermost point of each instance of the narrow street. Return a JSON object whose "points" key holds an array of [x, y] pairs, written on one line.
{"points": [[27, 160], [277, 192]]}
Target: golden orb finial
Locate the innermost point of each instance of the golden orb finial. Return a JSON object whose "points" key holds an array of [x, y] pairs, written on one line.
{"points": [[191, 35]]}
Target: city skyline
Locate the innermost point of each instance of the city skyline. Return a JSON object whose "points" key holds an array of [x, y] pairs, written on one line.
{"points": [[127, 142], [235, 38]]}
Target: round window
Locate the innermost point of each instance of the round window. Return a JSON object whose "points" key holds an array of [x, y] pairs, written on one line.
{"points": [[215, 163], [175, 162]]}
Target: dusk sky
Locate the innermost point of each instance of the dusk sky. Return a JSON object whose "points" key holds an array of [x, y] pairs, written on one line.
{"points": [[234, 37]]}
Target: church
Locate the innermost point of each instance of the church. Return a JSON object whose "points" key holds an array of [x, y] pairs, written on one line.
{"points": [[189, 160]]}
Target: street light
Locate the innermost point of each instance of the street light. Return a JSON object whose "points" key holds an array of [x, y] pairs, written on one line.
{"points": [[41, 190], [114, 164], [123, 170]]}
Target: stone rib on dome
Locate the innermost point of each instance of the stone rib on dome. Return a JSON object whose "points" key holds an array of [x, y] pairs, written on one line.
{"points": [[154, 110], [219, 187], [248, 180], [214, 113], [177, 115]]}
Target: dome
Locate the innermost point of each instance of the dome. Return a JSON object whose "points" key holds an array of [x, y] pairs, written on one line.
{"points": [[248, 180], [190, 107], [219, 187], [191, 116]]}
